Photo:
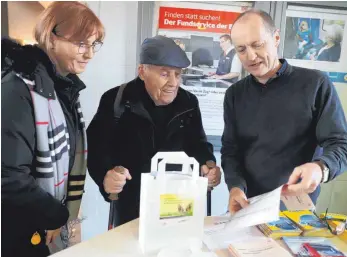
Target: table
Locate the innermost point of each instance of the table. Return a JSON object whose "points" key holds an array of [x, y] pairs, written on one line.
{"points": [[123, 242]]}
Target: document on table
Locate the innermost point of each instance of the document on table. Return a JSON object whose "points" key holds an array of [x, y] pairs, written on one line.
{"points": [[260, 247], [218, 238], [298, 203], [240, 226]]}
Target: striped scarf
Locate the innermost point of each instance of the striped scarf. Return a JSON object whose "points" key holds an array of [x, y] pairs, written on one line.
{"points": [[52, 154]]}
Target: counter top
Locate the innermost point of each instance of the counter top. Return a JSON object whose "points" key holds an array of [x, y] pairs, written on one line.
{"points": [[123, 242]]}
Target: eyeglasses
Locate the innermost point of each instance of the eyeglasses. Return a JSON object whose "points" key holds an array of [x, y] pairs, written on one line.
{"points": [[338, 229], [82, 47]]}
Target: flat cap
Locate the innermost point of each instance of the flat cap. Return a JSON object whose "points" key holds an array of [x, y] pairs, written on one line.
{"points": [[163, 51]]}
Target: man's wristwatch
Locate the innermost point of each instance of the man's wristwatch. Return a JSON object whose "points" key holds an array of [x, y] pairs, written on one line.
{"points": [[325, 171]]}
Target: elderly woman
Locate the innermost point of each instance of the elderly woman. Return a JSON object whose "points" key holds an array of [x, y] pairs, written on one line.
{"points": [[331, 50], [43, 161]]}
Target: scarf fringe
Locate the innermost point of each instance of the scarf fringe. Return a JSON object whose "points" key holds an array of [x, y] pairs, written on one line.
{"points": [[68, 231]]}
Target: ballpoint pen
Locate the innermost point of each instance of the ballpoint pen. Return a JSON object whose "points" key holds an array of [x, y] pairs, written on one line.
{"points": [[210, 165]]}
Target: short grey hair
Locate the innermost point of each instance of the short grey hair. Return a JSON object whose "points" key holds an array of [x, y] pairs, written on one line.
{"points": [[335, 32]]}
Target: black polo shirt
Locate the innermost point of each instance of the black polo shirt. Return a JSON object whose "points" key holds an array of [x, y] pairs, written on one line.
{"points": [[272, 128]]}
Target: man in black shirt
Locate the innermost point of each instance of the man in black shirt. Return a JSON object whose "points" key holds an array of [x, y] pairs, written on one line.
{"points": [[158, 116], [275, 119]]}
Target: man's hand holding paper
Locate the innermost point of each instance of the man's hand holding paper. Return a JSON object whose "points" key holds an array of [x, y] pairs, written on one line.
{"points": [[304, 180], [260, 209], [310, 175], [237, 200]]}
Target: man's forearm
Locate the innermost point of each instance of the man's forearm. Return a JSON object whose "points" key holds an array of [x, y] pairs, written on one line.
{"points": [[335, 158], [232, 161], [233, 173], [203, 152], [331, 129], [230, 75]]}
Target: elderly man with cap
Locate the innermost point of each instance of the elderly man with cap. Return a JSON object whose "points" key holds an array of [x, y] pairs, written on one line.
{"points": [[158, 116]]}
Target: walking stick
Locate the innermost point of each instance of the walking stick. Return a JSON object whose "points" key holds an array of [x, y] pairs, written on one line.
{"points": [[113, 219]]}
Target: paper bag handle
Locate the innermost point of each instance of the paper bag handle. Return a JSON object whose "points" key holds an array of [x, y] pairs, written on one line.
{"points": [[164, 155], [186, 170]]}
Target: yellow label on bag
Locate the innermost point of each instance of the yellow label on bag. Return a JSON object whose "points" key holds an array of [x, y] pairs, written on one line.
{"points": [[174, 206]]}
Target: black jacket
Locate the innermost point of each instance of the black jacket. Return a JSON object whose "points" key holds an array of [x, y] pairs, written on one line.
{"points": [[26, 208], [139, 135], [331, 54], [270, 129]]}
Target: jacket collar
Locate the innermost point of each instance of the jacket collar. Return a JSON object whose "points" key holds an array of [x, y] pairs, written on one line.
{"points": [[228, 50], [284, 70]]}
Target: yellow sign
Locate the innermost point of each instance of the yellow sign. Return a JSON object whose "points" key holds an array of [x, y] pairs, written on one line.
{"points": [[173, 206]]}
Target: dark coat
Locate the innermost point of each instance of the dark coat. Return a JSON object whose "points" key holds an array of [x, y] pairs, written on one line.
{"points": [[331, 54], [26, 208], [135, 140]]}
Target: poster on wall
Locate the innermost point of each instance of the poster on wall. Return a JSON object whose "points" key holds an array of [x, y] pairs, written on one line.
{"points": [[205, 37], [316, 38], [196, 19], [211, 106], [313, 39]]}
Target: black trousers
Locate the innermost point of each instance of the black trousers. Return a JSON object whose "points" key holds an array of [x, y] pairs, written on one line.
{"points": [[22, 247], [121, 214]]}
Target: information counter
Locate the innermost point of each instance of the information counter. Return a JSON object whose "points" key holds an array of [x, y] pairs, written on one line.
{"points": [[123, 242]]}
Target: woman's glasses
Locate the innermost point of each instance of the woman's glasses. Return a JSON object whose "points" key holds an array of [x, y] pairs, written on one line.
{"points": [[82, 47]]}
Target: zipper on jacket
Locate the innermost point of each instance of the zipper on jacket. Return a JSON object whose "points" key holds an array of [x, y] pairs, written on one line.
{"points": [[153, 142], [153, 125], [76, 129], [148, 118], [177, 115]]}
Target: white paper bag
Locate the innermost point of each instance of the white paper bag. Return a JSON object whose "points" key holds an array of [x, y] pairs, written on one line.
{"points": [[172, 204]]}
